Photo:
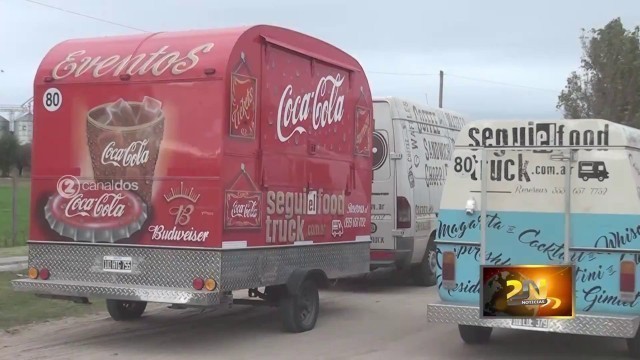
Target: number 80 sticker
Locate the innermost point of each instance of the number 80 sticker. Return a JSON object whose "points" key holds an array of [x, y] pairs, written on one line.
{"points": [[52, 99]]}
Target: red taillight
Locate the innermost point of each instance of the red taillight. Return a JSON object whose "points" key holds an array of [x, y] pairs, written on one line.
{"points": [[381, 255], [403, 213], [198, 283], [627, 280], [44, 274], [448, 269]]}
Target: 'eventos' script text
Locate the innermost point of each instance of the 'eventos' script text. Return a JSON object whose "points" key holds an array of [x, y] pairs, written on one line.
{"points": [[76, 64]]}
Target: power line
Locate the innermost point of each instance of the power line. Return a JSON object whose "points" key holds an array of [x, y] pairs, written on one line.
{"points": [[369, 72], [502, 83], [465, 78], [400, 74], [86, 16]]}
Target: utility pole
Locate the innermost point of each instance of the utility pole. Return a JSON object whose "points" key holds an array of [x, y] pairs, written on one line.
{"points": [[441, 86]]}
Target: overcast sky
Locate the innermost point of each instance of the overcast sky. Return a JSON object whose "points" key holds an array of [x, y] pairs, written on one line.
{"points": [[534, 45]]}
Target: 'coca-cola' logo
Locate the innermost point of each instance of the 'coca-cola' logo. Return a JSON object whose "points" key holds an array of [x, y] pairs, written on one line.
{"points": [[242, 209], [135, 154], [156, 62], [247, 210], [327, 107], [107, 205]]}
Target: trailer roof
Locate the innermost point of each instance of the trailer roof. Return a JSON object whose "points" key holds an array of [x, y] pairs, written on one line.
{"points": [[173, 55], [403, 109]]}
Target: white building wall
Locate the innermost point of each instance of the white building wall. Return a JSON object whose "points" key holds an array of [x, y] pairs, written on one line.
{"points": [[23, 129]]}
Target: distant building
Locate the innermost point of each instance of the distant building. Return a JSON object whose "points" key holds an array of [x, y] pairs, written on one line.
{"points": [[5, 125], [23, 128]]}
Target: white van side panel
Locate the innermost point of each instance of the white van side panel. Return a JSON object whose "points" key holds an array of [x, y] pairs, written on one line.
{"points": [[410, 180], [422, 139], [426, 161]]}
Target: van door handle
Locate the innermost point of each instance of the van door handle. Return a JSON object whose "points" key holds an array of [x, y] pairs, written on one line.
{"points": [[351, 179], [312, 148], [263, 179]]}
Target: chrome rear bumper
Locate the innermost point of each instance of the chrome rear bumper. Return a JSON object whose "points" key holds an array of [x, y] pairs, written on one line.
{"points": [[608, 325], [119, 292], [165, 275]]}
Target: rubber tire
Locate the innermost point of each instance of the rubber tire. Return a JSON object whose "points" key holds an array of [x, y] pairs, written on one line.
{"points": [[121, 310], [475, 334], [292, 306], [633, 346], [421, 273]]}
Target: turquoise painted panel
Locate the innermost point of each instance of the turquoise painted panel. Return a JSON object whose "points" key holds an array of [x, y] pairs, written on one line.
{"points": [[537, 238]]}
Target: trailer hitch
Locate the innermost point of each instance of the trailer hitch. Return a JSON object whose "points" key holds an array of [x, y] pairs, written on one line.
{"points": [[255, 293]]}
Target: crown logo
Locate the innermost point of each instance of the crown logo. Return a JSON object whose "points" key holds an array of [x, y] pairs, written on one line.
{"points": [[182, 193]]}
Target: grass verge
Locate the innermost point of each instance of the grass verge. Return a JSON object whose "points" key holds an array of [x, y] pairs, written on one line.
{"points": [[18, 308], [14, 251], [23, 195]]}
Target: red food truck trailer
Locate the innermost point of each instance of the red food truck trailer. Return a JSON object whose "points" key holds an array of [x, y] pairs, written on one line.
{"points": [[179, 167]]}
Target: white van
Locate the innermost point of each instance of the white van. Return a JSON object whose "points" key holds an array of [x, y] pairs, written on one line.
{"points": [[532, 193], [412, 147]]}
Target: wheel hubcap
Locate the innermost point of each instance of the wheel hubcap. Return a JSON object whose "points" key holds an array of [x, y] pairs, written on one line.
{"points": [[433, 264], [306, 307]]}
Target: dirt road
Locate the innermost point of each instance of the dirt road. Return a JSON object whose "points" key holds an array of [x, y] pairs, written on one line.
{"points": [[368, 320]]}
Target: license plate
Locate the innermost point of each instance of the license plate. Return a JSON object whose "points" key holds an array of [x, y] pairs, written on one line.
{"points": [[121, 264], [530, 324]]}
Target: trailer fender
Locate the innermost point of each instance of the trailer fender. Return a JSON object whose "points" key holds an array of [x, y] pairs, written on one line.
{"points": [[299, 275]]}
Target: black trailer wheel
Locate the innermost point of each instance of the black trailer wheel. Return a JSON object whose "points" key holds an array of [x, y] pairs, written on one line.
{"points": [[121, 310], [475, 334], [633, 346], [300, 311], [424, 273]]}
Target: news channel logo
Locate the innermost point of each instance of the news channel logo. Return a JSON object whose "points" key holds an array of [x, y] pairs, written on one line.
{"points": [[527, 291]]}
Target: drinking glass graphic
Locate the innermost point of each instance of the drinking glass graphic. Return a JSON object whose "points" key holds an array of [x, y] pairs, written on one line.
{"points": [[124, 140]]}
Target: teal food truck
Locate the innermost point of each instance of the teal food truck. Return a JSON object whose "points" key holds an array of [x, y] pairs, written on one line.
{"points": [[560, 192]]}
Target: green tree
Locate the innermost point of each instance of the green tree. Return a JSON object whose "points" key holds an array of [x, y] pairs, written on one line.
{"points": [[608, 83], [23, 159], [8, 153]]}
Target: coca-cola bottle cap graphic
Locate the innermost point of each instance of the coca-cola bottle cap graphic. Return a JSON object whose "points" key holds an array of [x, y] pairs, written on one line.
{"points": [[86, 211]]}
